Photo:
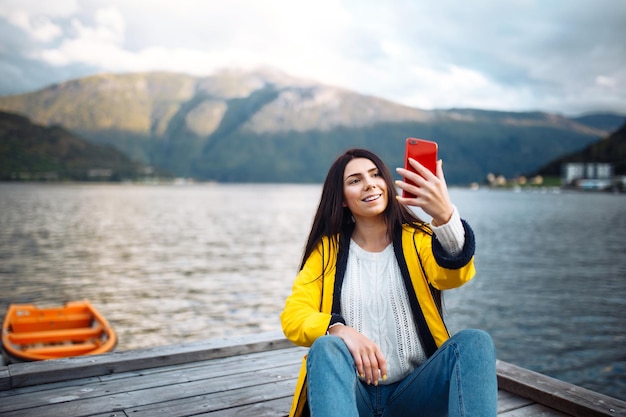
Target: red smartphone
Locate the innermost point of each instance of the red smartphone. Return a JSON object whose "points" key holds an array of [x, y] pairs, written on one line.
{"points": [[424, 152]]}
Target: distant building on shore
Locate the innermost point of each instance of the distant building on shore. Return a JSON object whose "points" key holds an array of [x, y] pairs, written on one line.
{"points": [[587, 175]]}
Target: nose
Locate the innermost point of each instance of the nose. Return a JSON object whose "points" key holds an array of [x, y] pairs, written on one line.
{"points": [[369, 183]]}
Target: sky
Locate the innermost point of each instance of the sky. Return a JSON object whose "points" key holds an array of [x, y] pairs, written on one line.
{"points": [[559, 56]]}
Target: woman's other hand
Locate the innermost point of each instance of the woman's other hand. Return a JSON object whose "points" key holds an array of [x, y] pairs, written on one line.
{"points": [[368, 358], [430, 191]]}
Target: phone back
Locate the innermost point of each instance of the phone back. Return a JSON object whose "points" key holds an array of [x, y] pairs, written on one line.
{"points": [[424, 152]]}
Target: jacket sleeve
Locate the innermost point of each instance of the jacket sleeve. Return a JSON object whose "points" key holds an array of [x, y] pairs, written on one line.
{"points": [[443, 271], [460, 260], [301, 319]]}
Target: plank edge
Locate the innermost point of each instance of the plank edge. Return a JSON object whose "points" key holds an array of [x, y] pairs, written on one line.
{"points": [[559, 395]]}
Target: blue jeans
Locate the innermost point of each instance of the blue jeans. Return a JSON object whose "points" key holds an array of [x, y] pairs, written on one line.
{"points": [[459, 379]]}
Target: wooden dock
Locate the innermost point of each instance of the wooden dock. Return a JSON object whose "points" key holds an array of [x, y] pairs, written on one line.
{"points": [[242, 376]]}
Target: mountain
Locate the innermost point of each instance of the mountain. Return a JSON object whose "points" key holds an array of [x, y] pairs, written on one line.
{"points": [[610, 149], [32, 152], [265, 126], [604, 121]]}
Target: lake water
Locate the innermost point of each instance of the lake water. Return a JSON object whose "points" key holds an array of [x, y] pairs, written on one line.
{"points": [[169, 264]]}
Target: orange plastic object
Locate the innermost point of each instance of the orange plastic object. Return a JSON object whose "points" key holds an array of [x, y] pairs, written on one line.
{"points": [[30, 333]]}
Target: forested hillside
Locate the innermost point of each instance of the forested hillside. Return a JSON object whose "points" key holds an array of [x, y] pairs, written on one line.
{"points": [[610, 149], [33, 152]]}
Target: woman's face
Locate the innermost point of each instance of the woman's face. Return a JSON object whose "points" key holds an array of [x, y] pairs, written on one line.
{"points": [[364, 189]]}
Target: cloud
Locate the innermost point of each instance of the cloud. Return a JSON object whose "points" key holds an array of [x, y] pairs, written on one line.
{"points": [[514, 55], [92, 45], [40, 28]]}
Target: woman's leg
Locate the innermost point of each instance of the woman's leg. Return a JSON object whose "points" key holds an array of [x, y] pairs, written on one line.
{"points": [[331, 379], [458, 380]]}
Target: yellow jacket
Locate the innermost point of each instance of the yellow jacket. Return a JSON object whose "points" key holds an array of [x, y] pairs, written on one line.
{"points": [[425, 268]]}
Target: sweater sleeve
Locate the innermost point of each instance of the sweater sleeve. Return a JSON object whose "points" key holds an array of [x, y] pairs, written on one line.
{"points": [[459, 260], [451, 235]]}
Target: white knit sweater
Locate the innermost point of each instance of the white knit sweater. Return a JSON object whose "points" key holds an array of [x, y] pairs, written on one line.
{"points": [[375, 302]]}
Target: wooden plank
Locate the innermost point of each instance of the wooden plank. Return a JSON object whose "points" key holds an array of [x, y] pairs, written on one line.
{"points": [[5, 378], [223, 401], [250, 361], [120, 413], [508, 401], [281, 407], [567, 398], [42, 372], [533, 410], [227, 371], [273, 408], [231, 374], [188, 398], [48, 387]]}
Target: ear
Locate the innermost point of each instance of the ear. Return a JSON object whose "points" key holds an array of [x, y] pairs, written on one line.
{"points": [[344, 204]]}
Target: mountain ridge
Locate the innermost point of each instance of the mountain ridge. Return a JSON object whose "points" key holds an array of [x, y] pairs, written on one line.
{"points": [[267, 126]]}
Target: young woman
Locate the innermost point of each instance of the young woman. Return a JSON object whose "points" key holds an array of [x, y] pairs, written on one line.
{"points": [[367, 300]]}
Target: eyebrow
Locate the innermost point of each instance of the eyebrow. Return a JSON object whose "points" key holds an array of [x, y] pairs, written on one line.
{"points": [[359, 174]]}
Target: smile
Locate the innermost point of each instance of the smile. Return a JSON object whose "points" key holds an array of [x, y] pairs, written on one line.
{"points": [[371, 198]]}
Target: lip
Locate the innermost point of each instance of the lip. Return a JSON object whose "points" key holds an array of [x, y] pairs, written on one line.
{"points": [[371, 198]]}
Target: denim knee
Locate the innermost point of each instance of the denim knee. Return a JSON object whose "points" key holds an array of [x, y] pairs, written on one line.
{"points": [[477, 340], [330, 353], [329, 346]]}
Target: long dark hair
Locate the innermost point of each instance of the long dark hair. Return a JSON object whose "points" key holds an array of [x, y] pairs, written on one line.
{"points": [[333, 218]]}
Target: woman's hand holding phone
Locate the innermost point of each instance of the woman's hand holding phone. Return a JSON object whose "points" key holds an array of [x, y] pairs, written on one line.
{"points": [[425, 189]]}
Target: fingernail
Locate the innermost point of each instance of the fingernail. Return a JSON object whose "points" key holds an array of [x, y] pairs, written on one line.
{"points": [[384, 377], [362, 376]]}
